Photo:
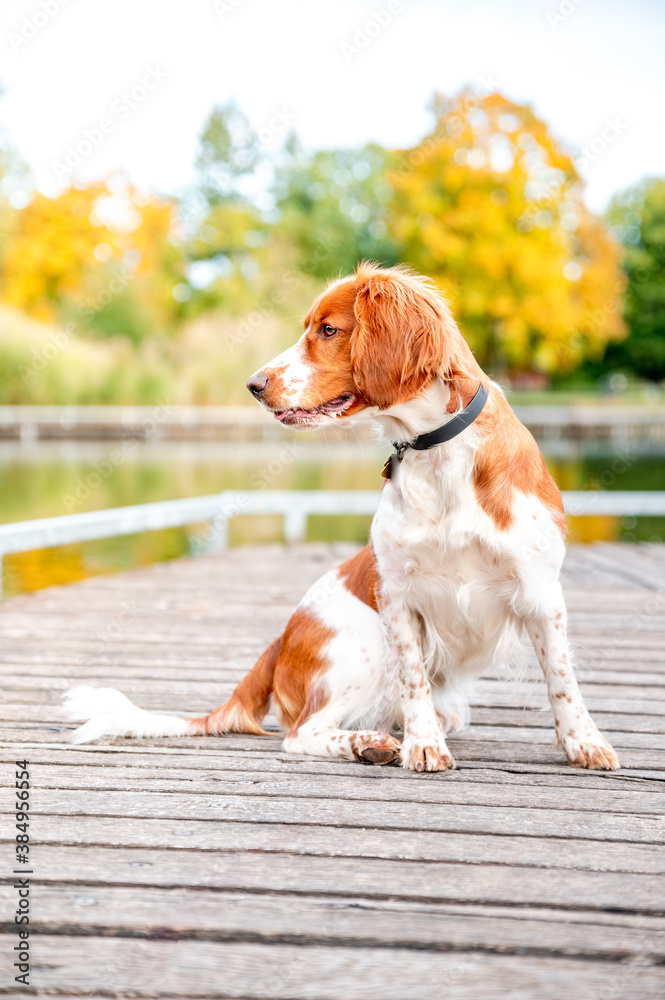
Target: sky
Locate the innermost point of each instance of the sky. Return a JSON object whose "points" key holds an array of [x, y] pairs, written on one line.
{"points": [[340, 72]]}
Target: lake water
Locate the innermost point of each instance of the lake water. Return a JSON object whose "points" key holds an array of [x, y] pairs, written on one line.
{"points": [[47, 479]]}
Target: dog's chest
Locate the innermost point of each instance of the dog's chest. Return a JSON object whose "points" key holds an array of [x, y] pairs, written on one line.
{"points": [[429, 522], [449, 567], [437, 554]]}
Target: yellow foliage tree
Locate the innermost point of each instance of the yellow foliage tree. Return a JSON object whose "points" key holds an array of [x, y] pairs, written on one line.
{"points": [[144, 230], [77, 252], [491, 207], [52, 251]]}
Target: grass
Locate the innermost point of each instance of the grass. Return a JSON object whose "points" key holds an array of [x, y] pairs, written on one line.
{"points": [[206, 362]]}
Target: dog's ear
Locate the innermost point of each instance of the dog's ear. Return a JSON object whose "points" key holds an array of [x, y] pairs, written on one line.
{"points": [[399, 341]]}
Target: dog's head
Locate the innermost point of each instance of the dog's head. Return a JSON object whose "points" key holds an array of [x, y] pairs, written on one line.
{"points": [[371, 340]]}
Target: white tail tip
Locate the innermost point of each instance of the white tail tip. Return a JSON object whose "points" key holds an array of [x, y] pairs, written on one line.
{"points": [[111, 713]]}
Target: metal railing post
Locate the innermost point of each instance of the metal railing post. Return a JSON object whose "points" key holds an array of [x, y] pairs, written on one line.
{"points": [[218, 536], [295, 525]]}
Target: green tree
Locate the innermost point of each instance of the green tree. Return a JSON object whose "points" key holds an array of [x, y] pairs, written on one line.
{"points": [[225, 228], [638, 218], [332, 205], [228, 151]]}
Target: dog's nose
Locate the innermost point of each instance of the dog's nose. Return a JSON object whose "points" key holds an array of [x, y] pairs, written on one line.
{"points": [[257, 384]]}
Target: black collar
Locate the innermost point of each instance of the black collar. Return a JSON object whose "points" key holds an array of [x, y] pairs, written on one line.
{"points": [[442, 434]]}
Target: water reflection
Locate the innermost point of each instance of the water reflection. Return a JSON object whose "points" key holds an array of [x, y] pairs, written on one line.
{"points": [[46, 479]]}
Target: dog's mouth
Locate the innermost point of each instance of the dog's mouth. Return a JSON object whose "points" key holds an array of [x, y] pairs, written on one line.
{"points": [[333, 408]]}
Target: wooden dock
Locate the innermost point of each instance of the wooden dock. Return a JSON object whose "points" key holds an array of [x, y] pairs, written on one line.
{"points": [[224, 867]]}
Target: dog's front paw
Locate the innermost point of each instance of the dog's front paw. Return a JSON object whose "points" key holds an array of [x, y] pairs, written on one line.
{"points": [[429, 753], [589, 750]]}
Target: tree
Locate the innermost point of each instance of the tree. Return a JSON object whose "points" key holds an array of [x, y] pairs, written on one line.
{"points": [[638, 218], [52, 252], [101, 255], [332, 205], [228, 151], [225, 228], [491, 207]]}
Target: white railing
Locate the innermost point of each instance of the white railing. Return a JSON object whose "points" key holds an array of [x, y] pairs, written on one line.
{"points": [[295, 506]]}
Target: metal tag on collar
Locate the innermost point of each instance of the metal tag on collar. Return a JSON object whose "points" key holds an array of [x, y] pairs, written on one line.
{"points": [[394, 460]]}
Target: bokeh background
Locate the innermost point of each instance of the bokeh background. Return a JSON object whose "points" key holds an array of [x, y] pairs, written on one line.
{"points": [[177, 181]]}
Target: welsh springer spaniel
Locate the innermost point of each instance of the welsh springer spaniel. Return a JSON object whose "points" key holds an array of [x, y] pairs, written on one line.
{"points": [[463, 563]]}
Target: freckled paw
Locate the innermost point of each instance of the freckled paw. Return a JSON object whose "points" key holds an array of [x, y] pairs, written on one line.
{"points": [[595, 754], [373, 748], [427, 757]]}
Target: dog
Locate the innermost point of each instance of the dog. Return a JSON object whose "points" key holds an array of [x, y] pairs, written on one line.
{"points": [[462, 566]]}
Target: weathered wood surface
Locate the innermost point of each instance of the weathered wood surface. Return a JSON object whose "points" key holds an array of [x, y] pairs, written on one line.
{"points": [[278, 876]]}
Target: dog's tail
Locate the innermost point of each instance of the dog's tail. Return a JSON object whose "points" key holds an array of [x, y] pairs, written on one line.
{"points": [[248, 704], [111, 713]]}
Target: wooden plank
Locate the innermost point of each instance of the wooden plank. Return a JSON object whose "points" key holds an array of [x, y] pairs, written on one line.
{"points": [[465, 751], [205, 915], [343, 876], [535, 719], [221, 763], [216, 757], [590, 671], [182, 696], [353, 813], [623, 567], [458, 788], [243, 970], [365, 842], [637, 558]]}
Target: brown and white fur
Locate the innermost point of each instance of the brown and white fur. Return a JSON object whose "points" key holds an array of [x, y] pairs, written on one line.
{"points": [[462, 566]]}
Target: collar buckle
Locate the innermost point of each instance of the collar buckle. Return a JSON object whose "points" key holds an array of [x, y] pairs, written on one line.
{"points": [[442, 434]]}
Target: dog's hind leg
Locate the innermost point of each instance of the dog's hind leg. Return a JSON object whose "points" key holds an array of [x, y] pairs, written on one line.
{"points": [[319, 735], [349, 689], [349, 692], [452, 706]]}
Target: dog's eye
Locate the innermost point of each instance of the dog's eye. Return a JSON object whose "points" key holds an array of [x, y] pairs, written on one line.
{"points": [[328, 331]]}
